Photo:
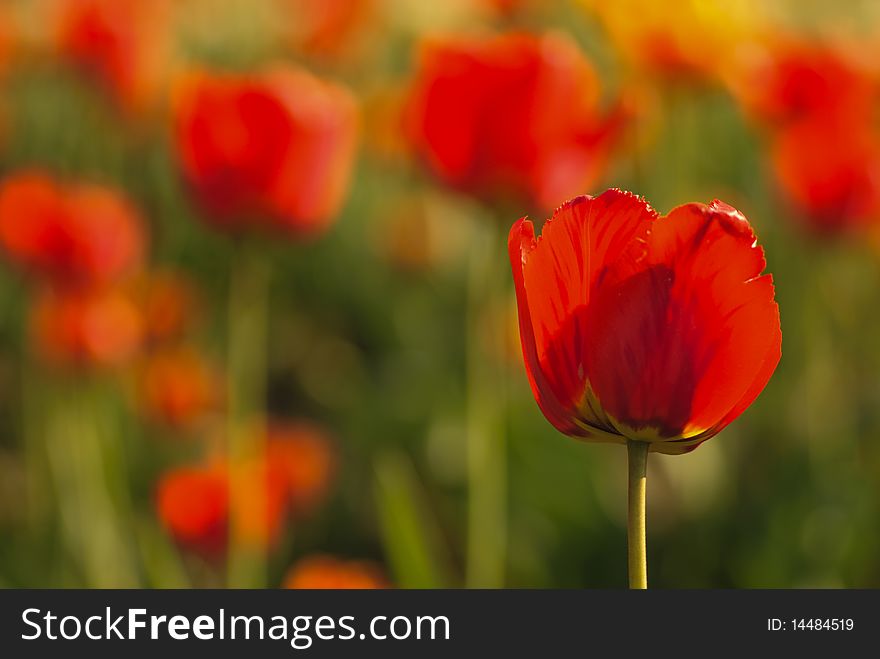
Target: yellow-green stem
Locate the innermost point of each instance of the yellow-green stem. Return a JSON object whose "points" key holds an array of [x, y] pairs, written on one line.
{"points": [[486, 450], [637, 459], [88, 504], [246, 394]]}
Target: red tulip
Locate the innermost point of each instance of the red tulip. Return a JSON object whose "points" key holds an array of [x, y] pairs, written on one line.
{"points": [[86, 327], [272, 150], [829, 172], [792, 80], [512, 115], [635, 326], [326, 572], [193, 505], [71, 234], [123, 46]]}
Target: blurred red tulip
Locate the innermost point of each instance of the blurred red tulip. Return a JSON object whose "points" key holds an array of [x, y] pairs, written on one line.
{"points": [[790, 80], [327, 572], [193, 505], [178, 387], [123, 46], [86, 327], [634, 326], [829, 172], [71, 234], [272, 150], [515, 116]]}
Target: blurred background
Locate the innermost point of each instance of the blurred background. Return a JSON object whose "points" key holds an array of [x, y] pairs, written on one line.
{"points": [[257, 325]]}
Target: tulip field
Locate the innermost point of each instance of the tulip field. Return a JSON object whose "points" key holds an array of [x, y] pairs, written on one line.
{"points": [[467, 294]]}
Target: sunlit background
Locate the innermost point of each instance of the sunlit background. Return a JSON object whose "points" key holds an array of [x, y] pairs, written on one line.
{"points": [[257, 325]]}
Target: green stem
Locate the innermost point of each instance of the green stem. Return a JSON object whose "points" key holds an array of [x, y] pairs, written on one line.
{"points": [[246, 392], [486, 449], [89, 508], [637, 459]]}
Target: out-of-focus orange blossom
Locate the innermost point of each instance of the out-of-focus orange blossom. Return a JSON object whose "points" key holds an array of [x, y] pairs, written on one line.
{"points": [[329, 29], [327, 572], [304, 457], [286, 480], [178, 387], [678, 39], [170, 305], [86, 327]]}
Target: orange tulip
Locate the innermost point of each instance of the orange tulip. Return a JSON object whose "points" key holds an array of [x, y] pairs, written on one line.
{"points": [[270, 150], [123, 46], [678, 39], [304, 460], [327, 572], [87, 327], [178, 387]]}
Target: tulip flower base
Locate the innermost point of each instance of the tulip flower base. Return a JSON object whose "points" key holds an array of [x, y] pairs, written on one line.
{"points": [[645, 330]]}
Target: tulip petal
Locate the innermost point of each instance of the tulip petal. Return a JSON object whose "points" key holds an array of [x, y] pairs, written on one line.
{"points": [[555, 278], [681, 347]]}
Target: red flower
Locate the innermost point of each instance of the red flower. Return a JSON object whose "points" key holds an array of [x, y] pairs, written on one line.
{"points": [[829, 172], [70, 234], [193, 505], [634, 326], [327, 572], [86, 327], [793, 80], [121, 45], [510, 115], [273, 150]]}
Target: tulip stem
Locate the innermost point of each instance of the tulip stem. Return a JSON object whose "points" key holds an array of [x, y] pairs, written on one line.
{"points": [[637, 459], [486, 450], [246, 392]]}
